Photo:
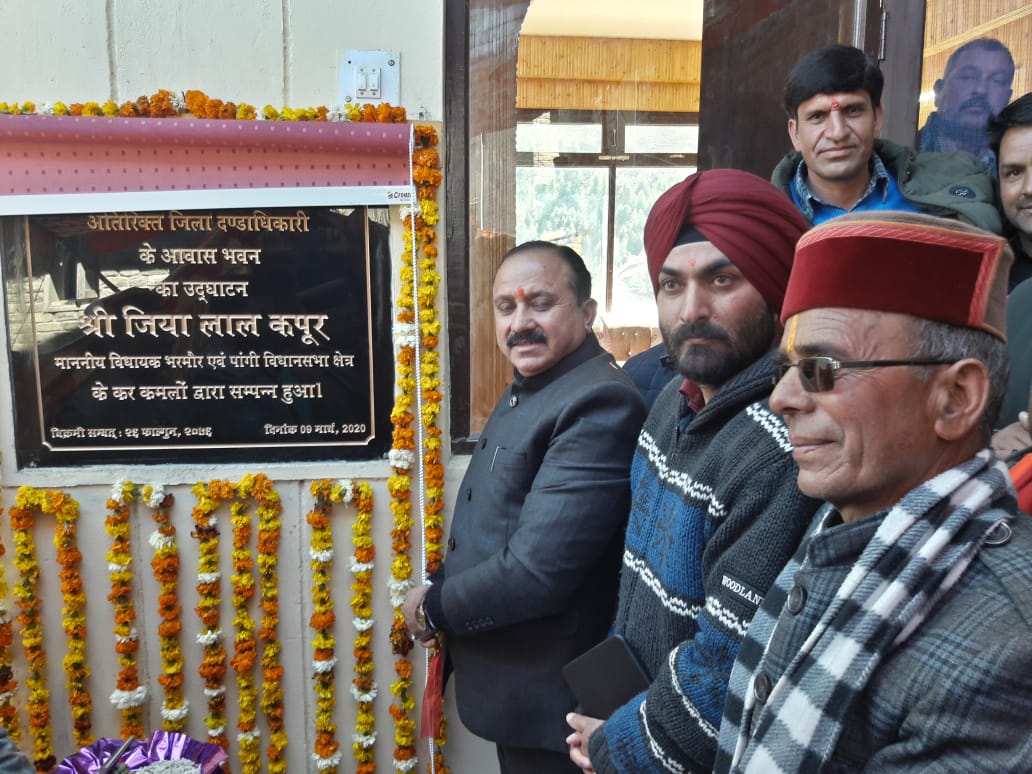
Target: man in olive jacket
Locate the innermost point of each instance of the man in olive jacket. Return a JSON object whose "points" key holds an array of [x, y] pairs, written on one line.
{"points": [[531, 575], [833, 102]]}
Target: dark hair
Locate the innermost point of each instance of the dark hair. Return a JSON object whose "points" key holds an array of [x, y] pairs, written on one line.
{"points": [[986, 44], [580, 277], [1016, 115], [943, 341], [830, 70]]}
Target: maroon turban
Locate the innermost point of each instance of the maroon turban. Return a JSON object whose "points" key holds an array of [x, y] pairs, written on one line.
{"points": [[745, 217], [907, 263]]}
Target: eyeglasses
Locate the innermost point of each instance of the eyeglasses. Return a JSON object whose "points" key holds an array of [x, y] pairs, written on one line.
{"points": [[818, 373]]}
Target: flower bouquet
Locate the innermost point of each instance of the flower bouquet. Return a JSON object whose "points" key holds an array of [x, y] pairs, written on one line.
{"points": [[193, 757]]}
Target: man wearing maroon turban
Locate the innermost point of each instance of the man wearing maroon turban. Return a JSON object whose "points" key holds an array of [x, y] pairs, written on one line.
{"points": [[715, 510]]}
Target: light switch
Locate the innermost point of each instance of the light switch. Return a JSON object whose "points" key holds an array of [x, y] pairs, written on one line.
{"points": [[367, 84], [369, 77]]}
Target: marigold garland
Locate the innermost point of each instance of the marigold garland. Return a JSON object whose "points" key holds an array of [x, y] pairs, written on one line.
{"points": [[326, 755], [38, 704], [209, 587], [326, 752], [270, 525], [128, 695], [419, 231], [165, 565], [169, 104], [399, 485], [245, 646], [426, 173], [8, 685], [66, 510], [210, 497], [363, 686]]}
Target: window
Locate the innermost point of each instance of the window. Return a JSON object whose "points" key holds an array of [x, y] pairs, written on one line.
{"points": [[564, 132], [575, 189]]}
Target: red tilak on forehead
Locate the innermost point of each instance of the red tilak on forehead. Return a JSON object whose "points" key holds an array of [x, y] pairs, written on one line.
{"points": [[520, 293], [835, 105]]}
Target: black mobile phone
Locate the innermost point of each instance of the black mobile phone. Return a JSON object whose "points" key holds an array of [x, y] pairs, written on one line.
{"points": [[605, 677]]}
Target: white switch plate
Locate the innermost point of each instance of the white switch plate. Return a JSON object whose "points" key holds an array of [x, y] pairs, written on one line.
{"points": [[369, 77]]}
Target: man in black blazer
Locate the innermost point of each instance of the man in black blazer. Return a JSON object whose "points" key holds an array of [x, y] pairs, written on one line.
{"points": [[531, 574]]}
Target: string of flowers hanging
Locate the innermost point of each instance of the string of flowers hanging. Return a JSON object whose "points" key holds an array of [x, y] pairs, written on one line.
{"points": [[412, 336], [419, 226], [210, 496], [270, 525], [363, 685], [73, 597], [129, 695], [165, 565], [326, 755], [8, 685], [209, 588], [326, 749], [245, 646]]}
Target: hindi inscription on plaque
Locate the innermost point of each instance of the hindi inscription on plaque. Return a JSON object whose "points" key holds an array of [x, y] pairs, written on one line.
{"points": [[187, 335]]}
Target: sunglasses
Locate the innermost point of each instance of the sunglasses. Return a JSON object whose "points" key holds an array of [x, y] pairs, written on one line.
{"points": [[818, 373]]}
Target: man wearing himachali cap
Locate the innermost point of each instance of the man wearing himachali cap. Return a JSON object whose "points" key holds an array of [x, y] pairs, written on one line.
{"points": [[715, 511], [898, 637]]}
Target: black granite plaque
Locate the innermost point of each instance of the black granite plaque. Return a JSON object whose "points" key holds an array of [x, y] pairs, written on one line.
{"points": [[199, 335]]}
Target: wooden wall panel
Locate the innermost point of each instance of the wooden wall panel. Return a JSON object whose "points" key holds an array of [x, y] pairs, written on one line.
{"points": [[608, 73], [594, 95]]}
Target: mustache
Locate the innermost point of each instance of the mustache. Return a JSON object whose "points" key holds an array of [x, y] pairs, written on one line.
{"points": [[698, 330], [536, 336], [977, 101]]}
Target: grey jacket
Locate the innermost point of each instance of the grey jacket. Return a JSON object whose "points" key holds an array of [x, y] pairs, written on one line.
{"points": [[954, 185], [532, 569]]}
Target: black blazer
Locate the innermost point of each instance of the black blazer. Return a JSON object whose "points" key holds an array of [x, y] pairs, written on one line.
{"points": [[531, 574]]}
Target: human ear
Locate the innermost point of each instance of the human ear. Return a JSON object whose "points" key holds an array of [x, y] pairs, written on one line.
{"points": [[590, 309], [793, 135], [961, 392]]}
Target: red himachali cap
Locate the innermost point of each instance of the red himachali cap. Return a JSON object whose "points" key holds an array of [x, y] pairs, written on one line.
{"points": [[921, 265]]}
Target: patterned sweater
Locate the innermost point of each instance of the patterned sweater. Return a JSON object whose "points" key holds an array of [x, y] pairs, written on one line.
{"points": [[715, 514]]}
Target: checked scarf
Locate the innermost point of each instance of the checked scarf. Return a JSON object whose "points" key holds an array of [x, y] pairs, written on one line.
{"points": [[917, 554]]}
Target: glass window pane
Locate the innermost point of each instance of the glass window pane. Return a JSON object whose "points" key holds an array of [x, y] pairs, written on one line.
{"points": [[566, 205], [974, 63], [652, 138], [540, 137], [636, 191]]}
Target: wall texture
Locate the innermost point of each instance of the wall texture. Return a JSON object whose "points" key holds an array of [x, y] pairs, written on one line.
{"points": [[278, 52]]}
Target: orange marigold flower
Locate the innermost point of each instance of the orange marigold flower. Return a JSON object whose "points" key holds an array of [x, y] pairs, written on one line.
{"points": [[322, 620]]}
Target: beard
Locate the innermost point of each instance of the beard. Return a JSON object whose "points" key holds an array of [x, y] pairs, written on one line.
{"points": [[713, 363]]}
